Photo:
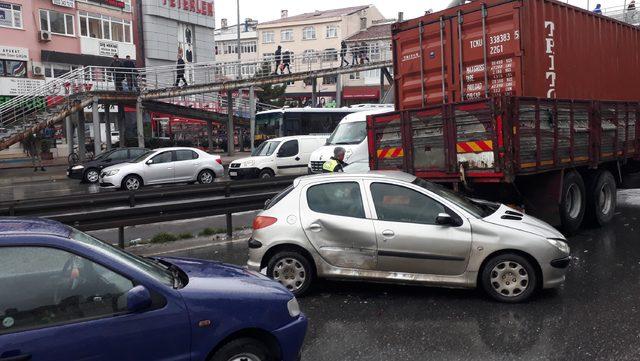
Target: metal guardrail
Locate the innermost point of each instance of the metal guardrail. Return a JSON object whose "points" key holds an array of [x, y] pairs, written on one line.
{"points": [[150, 205]]}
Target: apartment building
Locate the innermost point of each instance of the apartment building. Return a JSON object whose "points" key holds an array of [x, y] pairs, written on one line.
{"points": [[314, 37], [226, 47]]}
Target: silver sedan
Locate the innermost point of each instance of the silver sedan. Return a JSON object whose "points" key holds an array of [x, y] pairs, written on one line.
{"points": [[161, 166], [394, 227]]}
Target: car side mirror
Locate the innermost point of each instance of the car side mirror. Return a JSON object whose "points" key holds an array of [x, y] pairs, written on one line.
{"points": [[138, 299], [149, 162], [444, 219]]}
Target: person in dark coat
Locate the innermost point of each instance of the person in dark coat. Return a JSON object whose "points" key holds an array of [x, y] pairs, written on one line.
{"points": [[118, 76], [364, 53], [180, 71], [343, 54], [286, 61], [132, 74], [33, 146], [278, 56]]}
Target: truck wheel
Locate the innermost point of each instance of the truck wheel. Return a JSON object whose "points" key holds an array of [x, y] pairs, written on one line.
{"points": [[292, 270], [601, 198], [509, 278], [573, 202]]}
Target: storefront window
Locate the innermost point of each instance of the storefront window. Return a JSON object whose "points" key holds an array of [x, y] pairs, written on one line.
{"points": [[10, 15], [13, 69]]}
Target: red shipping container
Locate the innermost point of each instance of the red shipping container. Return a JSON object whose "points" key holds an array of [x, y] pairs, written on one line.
{"points": [[536, 48]]}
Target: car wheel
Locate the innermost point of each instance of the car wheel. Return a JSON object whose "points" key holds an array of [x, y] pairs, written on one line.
{"points": [[573, 203], [243, 349], [131, 183], [92, 175], [266, 174], [206, 177], [601, 198], [292, 270], [509, 278]]}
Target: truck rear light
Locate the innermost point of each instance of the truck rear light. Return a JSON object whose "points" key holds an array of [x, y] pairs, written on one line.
{"points": [[219, 161], [263, 222]]}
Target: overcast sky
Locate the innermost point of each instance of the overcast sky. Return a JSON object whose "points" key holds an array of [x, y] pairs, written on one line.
{"points": [[265, 10]]}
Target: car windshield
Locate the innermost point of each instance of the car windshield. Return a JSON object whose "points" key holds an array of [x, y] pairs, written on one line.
{"points": [[478, 210], [154, 269], [348, 133], [142, 157], [265, 149]]}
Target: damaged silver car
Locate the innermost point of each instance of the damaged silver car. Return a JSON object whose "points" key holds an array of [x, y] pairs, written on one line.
{"points": [[394, 227]]}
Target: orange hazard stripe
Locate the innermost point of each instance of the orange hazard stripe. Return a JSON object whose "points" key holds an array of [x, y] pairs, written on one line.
{"points": [[475, 147], [389, 153]]}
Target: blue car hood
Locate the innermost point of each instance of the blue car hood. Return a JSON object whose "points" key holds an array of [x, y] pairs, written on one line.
{"points": [[211, 276]]}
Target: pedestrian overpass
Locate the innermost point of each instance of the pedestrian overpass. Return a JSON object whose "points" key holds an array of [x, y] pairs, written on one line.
{"points": [[216, 84]]}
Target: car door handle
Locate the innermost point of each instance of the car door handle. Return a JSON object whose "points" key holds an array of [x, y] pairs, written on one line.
{"points": [[23, 357], [388, 233], [297, 158], [315, 227]]}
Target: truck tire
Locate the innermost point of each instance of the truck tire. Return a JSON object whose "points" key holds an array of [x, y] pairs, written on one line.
{"points": [[573, 202], [601, 197]]}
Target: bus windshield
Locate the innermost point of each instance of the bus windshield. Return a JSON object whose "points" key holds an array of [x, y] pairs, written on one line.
{"points": [[265, 149], [268, 125], [348, 133]]}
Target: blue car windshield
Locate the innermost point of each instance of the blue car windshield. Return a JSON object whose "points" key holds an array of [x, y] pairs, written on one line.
{"points": [[149, 267]]}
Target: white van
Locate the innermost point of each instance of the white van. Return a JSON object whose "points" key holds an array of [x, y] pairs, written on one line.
{"points": [[278, 157], [351, 134]]}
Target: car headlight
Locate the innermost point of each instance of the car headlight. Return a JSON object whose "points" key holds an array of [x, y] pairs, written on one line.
{"points": [[249, 163], [293, 307], [77, 167], [560, 244], [111, 172]]}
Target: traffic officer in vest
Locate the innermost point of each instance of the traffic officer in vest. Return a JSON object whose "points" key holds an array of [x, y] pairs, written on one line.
{"points": [[336, 163]]}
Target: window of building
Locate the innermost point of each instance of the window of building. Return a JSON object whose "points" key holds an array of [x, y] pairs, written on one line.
{"points": [[354, 76], [268, 56], [363, 23], [330, 54], [249, 47], [286, 35], [375, 53], [105, 27], [55, 70], [330, 80], [338, 199], [10, 15], [309, 33], [268, 37], [248, 70], [332, 31], [309, 56], [57, 23], [13, 69]]}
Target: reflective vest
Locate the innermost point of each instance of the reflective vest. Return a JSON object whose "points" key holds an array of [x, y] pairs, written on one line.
{"points": [[330, 166]]}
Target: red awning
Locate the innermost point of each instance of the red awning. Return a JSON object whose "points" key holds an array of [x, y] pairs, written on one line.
{"points": [[361, 92]]}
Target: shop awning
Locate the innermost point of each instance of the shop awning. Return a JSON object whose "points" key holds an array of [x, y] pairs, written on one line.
{"points": [[75, 59], [361, 92]]}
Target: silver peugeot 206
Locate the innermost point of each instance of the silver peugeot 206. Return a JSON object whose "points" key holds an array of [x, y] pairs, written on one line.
{"points": [[394, 227]]}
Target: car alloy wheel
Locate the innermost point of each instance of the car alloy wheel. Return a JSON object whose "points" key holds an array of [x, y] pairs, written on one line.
{"points": [[132, 184], [245, 357], [509, 278], [290, 273], [205, 177], [92, 176]]}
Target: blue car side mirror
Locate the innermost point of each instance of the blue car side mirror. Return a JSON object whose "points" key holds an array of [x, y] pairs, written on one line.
{"points": [[138, 299]]}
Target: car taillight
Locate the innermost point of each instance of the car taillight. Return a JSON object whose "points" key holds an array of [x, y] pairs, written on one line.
{"points": [[263, 222], [219, 161]]}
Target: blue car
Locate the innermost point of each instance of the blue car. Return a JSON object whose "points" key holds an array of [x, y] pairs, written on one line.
{"points": [[65, 295]]}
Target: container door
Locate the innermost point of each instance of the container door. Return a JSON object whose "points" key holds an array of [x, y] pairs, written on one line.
{"points": [[422, 69], [487, 52]]}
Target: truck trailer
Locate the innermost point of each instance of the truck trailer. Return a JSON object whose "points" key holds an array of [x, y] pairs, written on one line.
{"points": [[529, 102]]}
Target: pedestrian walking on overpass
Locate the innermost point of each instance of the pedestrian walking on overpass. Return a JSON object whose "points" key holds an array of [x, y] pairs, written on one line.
{"points": [[336, 163], [278, 56], [355, 54], [132, 74], [364, 53], [180, 71], [286, 61], [343, 54], [598, 9], [118, 76]]}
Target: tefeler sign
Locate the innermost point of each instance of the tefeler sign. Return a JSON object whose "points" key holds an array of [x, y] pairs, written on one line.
{"points": [[196, 6]]}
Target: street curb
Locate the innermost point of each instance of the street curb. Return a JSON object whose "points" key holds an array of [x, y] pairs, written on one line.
{"points": [[28, 180]]}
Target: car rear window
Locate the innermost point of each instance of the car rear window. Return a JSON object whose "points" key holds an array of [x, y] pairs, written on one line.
{"points": [[279, 197]]}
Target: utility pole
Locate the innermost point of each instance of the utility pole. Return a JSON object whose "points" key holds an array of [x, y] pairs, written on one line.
{"points": [[239, 50]]}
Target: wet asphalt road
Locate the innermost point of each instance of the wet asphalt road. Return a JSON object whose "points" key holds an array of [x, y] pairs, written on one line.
{"points": [[594, 316]]}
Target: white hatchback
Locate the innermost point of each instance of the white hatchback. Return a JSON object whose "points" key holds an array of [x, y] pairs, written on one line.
{"points": [[161, 166]]}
